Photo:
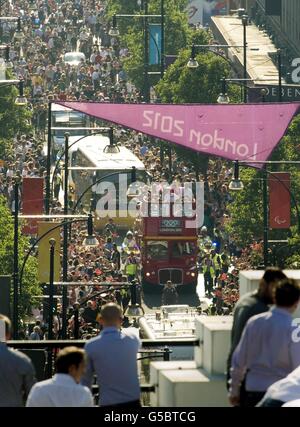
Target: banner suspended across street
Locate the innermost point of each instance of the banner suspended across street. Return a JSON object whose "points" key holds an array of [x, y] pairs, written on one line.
{"points": [[235, 132]]}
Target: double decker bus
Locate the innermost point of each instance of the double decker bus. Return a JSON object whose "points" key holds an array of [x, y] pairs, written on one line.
{"points": [[169, 250]]}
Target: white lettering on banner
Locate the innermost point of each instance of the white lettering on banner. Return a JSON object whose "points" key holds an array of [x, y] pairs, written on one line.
{"points": [[209, 139], [169, 126], [217, 140], [221, 144], [296, 73], [165, 124], [146, 116]]}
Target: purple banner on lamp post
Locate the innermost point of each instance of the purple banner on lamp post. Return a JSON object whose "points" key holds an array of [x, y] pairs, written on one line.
{"points": [[234, 132]]}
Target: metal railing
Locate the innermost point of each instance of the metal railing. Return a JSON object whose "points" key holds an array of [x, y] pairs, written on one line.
{"points": [[147, 351]]}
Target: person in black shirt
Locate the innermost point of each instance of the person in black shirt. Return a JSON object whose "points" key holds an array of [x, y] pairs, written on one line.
{"points": [[90, 314], [116, 257], [170, 295]]}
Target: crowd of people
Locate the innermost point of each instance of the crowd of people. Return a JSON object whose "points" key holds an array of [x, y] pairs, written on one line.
{"points": [[102, 277], [50, 30], [263, 363]]}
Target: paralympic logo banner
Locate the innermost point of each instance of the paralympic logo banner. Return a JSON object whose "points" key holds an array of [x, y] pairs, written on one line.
{"points": [[234, 132]]}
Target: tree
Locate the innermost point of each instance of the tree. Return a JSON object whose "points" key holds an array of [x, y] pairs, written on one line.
{"points": [[246, 210], [14, 119], [30, 283], [132, 34]]}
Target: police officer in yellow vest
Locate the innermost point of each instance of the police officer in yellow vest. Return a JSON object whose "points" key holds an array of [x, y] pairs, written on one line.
{"points": [[131, 267], [209, 273], [217, 264]]}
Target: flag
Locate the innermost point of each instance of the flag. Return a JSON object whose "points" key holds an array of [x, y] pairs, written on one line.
{"points": [[32, 202], [280, 200]]}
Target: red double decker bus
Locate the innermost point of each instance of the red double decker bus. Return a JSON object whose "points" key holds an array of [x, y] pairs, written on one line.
{"points": [[169, 250]]}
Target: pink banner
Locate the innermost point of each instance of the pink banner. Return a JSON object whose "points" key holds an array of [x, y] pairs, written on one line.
{"points": [[234, 132]]}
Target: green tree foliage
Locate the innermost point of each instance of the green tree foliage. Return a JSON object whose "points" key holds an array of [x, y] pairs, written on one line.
{"points": [[178, 35], [13, 119], [30, 285], [246, 210]]}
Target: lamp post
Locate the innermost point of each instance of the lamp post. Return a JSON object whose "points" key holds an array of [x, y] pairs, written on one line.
{"points": [[265, 216], [279, 59], [95, 182], [237, 184], [100, 131], [48, 164], [52, 243], [162, 48], [245, 23], [88, 219], [263, 93], [223, 98], [114, 32], [146, 90], [193, 63], [21, 99], [16, 262], [65, 239]]}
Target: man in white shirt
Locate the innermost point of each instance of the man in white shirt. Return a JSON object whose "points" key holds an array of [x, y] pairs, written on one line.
{"points": [[283, 391], [63, 390]]}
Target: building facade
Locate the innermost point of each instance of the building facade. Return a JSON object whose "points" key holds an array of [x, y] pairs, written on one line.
{"points": [[286, 28]]}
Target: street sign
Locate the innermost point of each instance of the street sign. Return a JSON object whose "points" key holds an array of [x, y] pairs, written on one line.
{"points": [[290, 93]]}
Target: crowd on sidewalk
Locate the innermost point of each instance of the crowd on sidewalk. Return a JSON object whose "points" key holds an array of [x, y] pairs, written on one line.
{"points": [[51, 29]]}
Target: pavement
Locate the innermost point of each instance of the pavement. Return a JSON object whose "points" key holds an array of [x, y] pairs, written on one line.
{"points": [[153, 300], [260, 67]]}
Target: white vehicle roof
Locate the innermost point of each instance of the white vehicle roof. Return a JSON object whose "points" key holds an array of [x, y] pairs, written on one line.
{"points": [[92, 147], [58, 107], [74, 58]]}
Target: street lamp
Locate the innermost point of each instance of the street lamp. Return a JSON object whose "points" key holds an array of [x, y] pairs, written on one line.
{"points": [[95, 182], [266, 172], [52, 243], [236, 184], [8, 63], [65, 239], [134, 310], [245, 19], [114, 31], [193, 63], [263, 93], [279, 59], [21, 100], [99, 132], [19, 35], [223, 98], [16, 261], [90, 240]]}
